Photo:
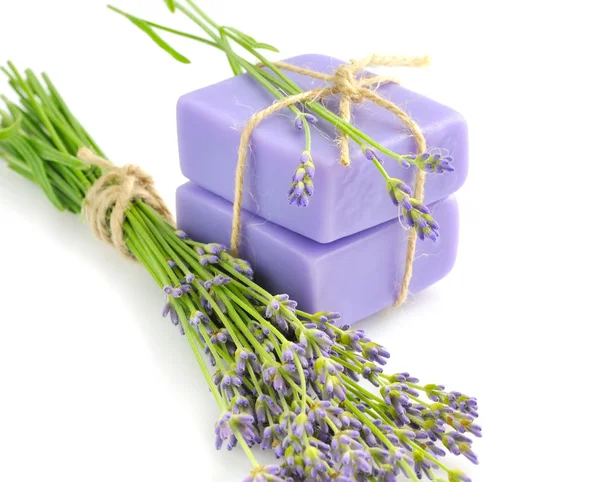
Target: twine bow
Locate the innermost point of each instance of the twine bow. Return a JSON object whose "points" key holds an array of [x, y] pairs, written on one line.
{"points": [[106, 202], [352, 89]]}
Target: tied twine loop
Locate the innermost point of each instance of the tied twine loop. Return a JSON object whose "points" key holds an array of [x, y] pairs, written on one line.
{"points": [[106, 203], [345, 81], [352, 90]]}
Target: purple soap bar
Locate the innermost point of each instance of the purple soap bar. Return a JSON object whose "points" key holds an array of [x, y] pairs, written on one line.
{"points": [[347, 200], [356, 276]]}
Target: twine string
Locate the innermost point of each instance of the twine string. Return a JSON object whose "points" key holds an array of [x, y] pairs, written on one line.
{"points": [[106, 202], [352, 90]]}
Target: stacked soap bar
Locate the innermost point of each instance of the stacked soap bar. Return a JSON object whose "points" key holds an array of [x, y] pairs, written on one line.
{"points": [[345, 251]]}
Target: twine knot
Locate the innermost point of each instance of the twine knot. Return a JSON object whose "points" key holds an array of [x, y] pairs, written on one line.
{"points": [[347, 84], [107, 201]]}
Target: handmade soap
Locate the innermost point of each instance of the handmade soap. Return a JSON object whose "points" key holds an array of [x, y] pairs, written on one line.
{"points": [[346, 200], [356, 276]]}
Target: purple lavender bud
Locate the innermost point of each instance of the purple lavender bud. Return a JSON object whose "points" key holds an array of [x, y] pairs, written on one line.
{"points": [[278, 383], [329, 316], [178, 292], [181, 234], [474, 429], [220, 280], [166, 309], [168, 290], [299, 174], [287, 355], [406, 203], [298, 123], [190, 278], [171, 263], [309, 187], [435, 163], [309, 166], [370, 154], [305, 157], [311, 118], [297, 189], [194, 321], [404, 163], [421, 223], [208, 259], [268, 374], [299, 425], [174, 317], [215, 248], [303, 200]]}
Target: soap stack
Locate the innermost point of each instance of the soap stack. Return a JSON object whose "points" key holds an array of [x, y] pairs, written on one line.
{"points": [[345, 252]]}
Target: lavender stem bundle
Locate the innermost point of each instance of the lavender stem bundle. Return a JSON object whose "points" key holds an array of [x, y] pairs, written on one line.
{"points": [[412, 210], [312, 391]]}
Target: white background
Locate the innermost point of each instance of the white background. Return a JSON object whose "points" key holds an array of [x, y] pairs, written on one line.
{"points": [[95, 386]]}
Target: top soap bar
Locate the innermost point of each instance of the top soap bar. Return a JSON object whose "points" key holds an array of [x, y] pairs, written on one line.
{"points": [[346, 200]]}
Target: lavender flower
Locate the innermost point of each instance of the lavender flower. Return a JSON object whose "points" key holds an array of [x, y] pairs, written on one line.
{"points": [[399, 193], [328, 316], [231, 425], [302, 182], [432, 163], [315, 461], [278, 310], [370, 154], [240, 265], [309, 117]]}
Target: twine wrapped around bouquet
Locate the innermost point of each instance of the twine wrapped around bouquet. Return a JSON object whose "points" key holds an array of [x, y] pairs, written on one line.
{"points": [[107, 200], [352, 90]]}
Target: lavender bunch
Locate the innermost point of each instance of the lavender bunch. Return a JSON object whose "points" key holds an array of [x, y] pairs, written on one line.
{"points": [[298, 384], [280, 86]]}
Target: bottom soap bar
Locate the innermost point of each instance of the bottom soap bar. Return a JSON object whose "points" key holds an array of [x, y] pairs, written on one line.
{"points": [[356, 276]]}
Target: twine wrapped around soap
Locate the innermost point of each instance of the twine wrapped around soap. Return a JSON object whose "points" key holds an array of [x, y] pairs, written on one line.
{"points": [[352, 90], [106, 202]]}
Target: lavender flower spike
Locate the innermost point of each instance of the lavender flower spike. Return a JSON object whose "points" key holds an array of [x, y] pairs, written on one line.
{"points": [[302, 187], [432, 163]]}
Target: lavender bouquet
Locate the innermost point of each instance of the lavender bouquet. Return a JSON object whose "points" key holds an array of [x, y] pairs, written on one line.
{"points": [[288, 381]]}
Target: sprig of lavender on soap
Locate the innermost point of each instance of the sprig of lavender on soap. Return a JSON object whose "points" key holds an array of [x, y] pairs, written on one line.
{"points": [[299, 384], [280, 85]]}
